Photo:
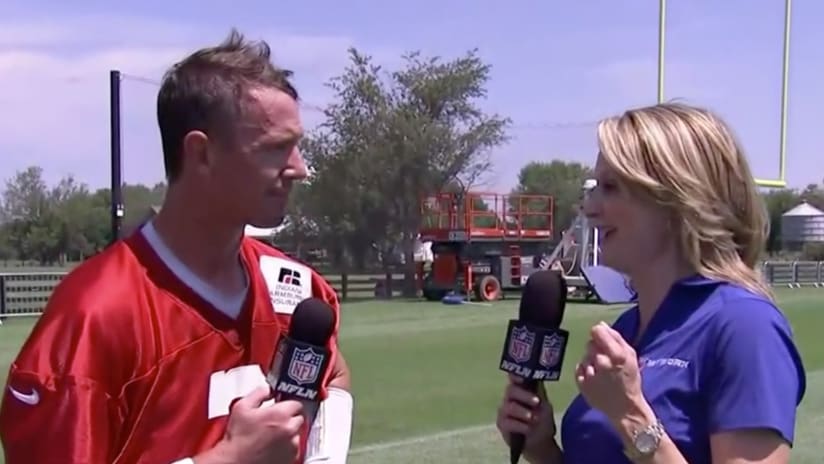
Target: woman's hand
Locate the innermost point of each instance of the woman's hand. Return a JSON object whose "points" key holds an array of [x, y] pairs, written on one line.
{"points": [[531, 414], [608, 376]]}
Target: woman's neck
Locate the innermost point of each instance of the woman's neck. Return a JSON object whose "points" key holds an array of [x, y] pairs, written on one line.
{"points": [[653, 283]]}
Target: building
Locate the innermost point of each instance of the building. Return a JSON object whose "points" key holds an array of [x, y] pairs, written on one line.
{"points": [[801, 225]]}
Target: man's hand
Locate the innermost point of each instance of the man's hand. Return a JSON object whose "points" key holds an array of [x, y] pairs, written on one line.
{"points": [[259, 435]]}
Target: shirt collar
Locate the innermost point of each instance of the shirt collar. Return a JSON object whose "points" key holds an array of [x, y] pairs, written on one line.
{"points": [[696, 280]]}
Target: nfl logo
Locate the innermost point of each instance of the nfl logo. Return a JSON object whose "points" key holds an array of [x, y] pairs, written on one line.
{"points": [[551, 351], [520, 344], [305, 365]]}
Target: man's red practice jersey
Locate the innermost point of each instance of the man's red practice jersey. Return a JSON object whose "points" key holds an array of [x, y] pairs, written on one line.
{"points": [[129, 365]]}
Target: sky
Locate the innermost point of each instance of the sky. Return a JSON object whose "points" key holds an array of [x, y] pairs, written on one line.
{"points": [[557, 67]]}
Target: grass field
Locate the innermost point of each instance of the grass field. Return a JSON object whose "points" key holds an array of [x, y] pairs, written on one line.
{"points": [[427, 385]]}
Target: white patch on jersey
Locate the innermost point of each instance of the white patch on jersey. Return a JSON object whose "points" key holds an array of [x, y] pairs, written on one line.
{"points": [[227, 386], [288, 282]]}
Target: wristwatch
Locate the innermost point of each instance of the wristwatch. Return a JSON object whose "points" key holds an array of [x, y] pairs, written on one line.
{"points": [[645, 441]]}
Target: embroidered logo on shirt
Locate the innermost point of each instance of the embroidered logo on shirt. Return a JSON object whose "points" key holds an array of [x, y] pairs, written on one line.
{"points": [[645, 363]]}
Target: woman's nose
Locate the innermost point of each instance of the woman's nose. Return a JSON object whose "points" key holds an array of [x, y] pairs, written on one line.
{"points": [[590, 206]]}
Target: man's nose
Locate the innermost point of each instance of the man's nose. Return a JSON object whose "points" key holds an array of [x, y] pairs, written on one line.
{"points": [[296, 166]]}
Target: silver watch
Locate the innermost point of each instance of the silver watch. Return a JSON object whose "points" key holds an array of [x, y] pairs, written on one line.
{"points": [[645, 441]]}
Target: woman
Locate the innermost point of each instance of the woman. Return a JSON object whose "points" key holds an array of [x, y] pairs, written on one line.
{"points": [[703, 369]]}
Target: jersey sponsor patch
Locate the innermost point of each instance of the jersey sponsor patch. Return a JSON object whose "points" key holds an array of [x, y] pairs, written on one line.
{"points": [[288, 282]]}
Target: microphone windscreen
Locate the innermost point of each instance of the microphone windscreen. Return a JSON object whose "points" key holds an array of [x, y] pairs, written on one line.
{"points": [[313, 322], [543, 299]]}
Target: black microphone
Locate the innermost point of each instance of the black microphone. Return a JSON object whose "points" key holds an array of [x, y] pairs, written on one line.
{"points": [[535, 344], [301, 359]]}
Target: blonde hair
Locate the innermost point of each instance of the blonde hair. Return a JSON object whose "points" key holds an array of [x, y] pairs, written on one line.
{"points": [[687, 160]]}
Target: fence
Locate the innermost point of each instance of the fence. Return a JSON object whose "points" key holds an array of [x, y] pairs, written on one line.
{"points": [[26, 293], [794, 274]]}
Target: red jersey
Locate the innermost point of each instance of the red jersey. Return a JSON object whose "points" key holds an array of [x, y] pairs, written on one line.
{"points": [[129, 365]]}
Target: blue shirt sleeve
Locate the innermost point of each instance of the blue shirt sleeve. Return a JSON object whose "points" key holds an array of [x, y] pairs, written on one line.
{"points": [[756, 378]]}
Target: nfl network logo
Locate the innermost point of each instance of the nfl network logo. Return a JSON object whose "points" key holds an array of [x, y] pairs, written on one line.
{"points": [[289, 277], [520, 344], [305, 365], [551, 351]]}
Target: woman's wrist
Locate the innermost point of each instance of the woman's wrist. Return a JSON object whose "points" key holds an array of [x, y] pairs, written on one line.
{"points": [[639, 416], [547, 452]]}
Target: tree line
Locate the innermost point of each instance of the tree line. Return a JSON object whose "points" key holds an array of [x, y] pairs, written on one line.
{"points": [[389, 138]]}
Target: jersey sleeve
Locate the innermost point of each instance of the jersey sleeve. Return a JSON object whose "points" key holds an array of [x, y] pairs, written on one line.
{"points": [[328, 294], [56, 419], [56, 407], [756, 378]]}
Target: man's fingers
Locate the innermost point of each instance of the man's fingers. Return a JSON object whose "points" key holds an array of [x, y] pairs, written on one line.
{"points": [[289, 408], [295, 423], [253, 399]]}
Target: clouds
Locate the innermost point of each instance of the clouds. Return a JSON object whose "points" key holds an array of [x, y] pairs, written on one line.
{"points": [[54, 88]]}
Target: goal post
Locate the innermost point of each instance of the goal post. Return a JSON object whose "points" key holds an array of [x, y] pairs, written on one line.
{"points": [[781, 180]]}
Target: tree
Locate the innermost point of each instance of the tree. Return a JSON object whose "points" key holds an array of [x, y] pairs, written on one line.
{"points": [[393, 138], [560, 179], [814, 195], [65, 222], [33, 230]]}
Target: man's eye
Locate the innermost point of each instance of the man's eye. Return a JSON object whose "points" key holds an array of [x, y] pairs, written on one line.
{"points": [[278, 150]]}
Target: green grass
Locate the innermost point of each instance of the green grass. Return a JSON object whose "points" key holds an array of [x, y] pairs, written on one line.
{"points": [[427, 385]]}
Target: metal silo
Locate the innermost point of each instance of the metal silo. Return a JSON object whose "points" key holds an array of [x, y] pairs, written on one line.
{"points": [[800, 225]]}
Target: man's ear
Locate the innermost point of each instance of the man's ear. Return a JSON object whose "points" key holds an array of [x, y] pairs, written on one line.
{"points": [[195, 150]]}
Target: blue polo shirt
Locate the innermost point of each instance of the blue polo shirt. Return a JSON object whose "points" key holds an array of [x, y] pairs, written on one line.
{"points": [[714, 358]]}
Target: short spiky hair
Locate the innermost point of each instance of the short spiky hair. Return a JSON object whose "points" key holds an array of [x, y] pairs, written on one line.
{"points": [[205, 90]]}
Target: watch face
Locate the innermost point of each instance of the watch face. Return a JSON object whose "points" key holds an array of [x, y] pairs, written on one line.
{"points": [[646, 442]]}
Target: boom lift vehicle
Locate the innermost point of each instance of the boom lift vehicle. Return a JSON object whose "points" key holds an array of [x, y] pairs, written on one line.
{"points": [[483, 244]]}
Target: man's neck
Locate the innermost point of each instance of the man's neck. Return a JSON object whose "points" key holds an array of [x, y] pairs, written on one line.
{"points": [[209, 249]]}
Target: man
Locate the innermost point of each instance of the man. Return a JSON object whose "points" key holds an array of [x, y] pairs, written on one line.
{"points": [[154, 351]]}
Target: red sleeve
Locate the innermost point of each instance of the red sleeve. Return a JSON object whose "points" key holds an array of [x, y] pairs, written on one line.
{"points": [[328, 294], [57, 407], [47, 419]]}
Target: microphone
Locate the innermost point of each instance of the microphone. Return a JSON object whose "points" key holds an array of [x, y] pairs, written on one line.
{"points": [[535, 344], [301, 359]]}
